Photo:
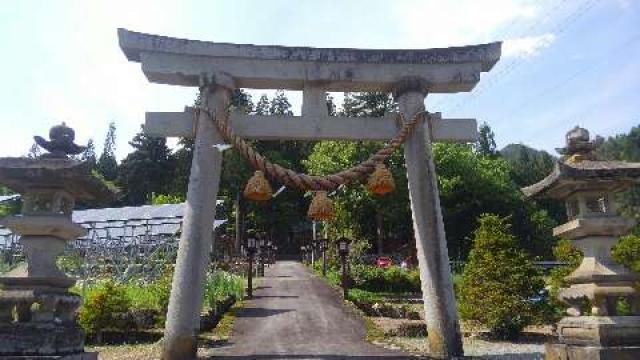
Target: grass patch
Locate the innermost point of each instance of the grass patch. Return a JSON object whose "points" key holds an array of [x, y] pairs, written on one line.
{"points": [[374, 332], [224, 328]]}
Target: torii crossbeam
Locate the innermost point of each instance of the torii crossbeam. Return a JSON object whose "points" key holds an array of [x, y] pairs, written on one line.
{"points": [[218, 68]]}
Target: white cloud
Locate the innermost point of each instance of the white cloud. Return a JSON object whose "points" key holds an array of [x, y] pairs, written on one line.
{"points": [[527, 46], [436, 23]]}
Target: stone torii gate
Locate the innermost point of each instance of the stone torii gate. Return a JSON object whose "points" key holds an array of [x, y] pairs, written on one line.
{"points": [[219, 68]]}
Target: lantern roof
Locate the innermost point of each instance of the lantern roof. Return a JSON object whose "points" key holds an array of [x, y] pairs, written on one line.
{"points": [[578, 170], [569, 177], [75, 177]]}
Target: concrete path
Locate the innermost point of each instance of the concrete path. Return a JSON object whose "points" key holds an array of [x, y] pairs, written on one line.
{"points": [[295, 315]]}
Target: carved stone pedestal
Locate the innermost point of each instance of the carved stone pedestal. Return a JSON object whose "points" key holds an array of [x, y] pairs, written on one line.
{"points": [[41, 338], [600, 330], [579, 352]]}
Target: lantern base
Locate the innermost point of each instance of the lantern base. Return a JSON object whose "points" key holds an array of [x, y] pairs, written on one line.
{"points": [[577, 352], [35, 340]]}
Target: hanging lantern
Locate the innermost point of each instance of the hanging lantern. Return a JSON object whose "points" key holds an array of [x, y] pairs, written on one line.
{"points": [[258, 188], [321, 207], [381, 180]]}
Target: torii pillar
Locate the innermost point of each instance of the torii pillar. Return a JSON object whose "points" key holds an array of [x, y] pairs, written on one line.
{"points": [[410, 74], [440, 313], [196, 240]]}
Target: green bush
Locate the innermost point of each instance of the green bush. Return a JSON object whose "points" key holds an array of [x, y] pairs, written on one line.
{"points": [[627, 252], [571, 257], [102, 306], [499, 281], [392, 279], [161, 290]]}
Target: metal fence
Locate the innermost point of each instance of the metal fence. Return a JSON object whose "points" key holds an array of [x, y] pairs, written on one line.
{"points": [[121, 242]]}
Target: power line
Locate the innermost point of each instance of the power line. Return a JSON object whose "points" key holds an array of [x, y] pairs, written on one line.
{"points": [[506, 34], [603, 59], [497, 77]]}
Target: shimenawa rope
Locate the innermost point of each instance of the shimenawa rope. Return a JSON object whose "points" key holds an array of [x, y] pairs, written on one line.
{"points": [[308, 182]]}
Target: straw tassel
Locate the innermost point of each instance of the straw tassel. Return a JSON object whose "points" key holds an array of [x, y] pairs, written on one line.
{"points": [[258, 188], [381, 180], [321, 207]]}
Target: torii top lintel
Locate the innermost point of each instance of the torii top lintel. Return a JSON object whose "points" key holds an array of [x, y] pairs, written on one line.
{"points": [[176, 61]]}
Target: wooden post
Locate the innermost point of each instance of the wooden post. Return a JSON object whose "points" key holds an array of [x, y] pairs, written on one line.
{"points": [[239, 221], [324, 257], [250, 274], [345, 291], [437, 286], [196, 242], [379, 235]]}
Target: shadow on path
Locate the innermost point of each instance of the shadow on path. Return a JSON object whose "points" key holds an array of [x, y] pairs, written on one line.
{"points": [[515, 356], [261, 312], [327, 357]]}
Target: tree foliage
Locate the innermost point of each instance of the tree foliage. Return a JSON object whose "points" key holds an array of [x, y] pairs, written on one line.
{"points": [[107, 163], [627, 252], [486, 144], [625, 147], [146, 170], [528, 165], [89, 154], [356, 207]]}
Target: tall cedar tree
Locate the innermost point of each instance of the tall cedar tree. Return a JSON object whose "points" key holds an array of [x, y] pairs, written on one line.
{"points": [[107, 164], [89, 154], [146, 170], [486, 144]]}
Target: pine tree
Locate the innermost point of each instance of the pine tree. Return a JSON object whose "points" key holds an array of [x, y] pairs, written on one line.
{"points": [[241, 100], [262, 107], [499, 281], [331, 105], [280, 105], [373, 104], [89, 154], [107, 164], [486, 144]]}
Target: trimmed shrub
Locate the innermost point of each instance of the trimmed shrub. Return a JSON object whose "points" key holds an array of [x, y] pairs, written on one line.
{"points": [[104, 307], [393, 279], [499, 284]]}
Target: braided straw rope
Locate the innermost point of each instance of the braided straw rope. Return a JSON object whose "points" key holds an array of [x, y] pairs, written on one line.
{"points": [[308, 182]]}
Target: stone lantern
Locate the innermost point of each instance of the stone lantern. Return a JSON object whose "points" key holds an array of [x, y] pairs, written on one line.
{"points": [[37, 311], [593, 328]]}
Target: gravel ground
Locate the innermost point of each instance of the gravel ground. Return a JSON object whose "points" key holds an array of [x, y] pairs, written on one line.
{"points": [[482, 349]]}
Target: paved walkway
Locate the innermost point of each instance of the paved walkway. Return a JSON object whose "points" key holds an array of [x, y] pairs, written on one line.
{"points": [[295, 315]]}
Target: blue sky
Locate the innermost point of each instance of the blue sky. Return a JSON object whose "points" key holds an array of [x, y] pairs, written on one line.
{"points": [[564, 63]]}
